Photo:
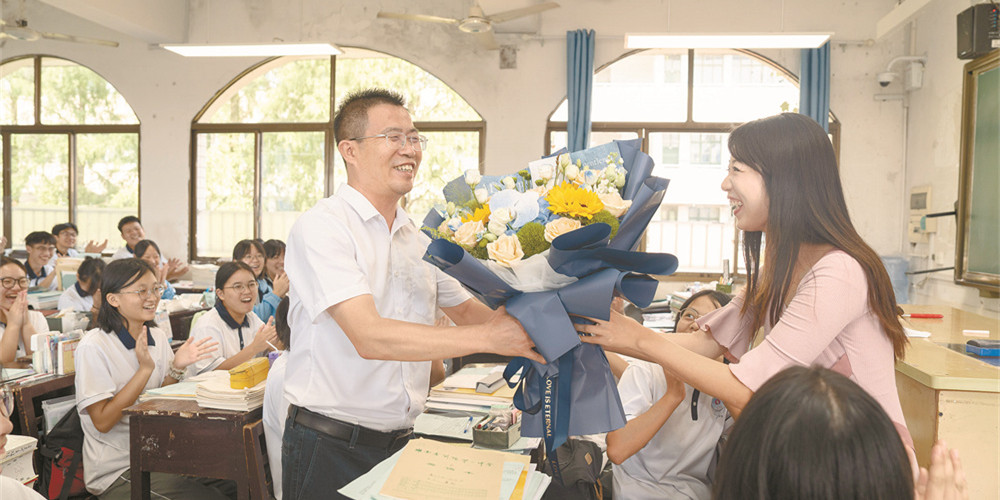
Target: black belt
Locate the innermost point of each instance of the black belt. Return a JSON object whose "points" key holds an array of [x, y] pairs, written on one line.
{"points": [[352, 433]]}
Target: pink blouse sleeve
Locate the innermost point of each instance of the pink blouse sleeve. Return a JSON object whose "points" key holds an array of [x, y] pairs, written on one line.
{"points": [[729, 327], [832, 294]]}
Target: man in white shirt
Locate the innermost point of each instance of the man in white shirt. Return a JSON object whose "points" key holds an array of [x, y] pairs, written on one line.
{"points": [[363, 306]]}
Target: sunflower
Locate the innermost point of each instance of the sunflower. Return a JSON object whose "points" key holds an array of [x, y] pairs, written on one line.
{"points": [[567, 199], [481, 214]]}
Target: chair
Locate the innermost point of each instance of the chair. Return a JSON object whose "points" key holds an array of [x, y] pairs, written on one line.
{"points": [[261, 485]]}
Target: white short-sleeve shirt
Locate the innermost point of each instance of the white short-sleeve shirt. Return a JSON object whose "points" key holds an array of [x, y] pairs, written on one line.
{"points": [[674, 464], [211, 325], [12, 489], [275, 413], [71, 299], [340, 249], [103, 366], [47, 271], [37, 320]]}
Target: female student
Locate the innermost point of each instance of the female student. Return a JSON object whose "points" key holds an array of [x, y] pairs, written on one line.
{"points": [[812, 433], [80, 297], [115, 363], [241, 335], [17, 323], [274, 251], [821, 297], [149, 251], [251, 253], [663, 451]]}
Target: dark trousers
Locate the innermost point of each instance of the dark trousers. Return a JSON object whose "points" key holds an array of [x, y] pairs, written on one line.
{"points": [[315, 465]]}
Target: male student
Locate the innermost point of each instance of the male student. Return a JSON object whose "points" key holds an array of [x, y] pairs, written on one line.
{"points": [[40, 245], [66, 234], [362, 309], [132, 232]]}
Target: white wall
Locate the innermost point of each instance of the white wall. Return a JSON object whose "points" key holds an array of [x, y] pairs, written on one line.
{"points": [[167, 90]]}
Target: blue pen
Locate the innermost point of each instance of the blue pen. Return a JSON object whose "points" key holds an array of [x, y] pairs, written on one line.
{"points": [[467, 426]]}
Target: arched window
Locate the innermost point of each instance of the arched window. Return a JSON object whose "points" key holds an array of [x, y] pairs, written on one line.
{"points": [[683, 103], [265, 151], [70, 148]]}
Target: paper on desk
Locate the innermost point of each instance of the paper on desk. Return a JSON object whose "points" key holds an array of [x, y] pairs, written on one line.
{"points": [[16, 373], [429, 424], [368, 485], [915, 333], [437, 471], [468, 376]]}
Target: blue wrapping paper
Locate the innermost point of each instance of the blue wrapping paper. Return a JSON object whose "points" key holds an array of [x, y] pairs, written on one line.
{"points": [[574, 393]]}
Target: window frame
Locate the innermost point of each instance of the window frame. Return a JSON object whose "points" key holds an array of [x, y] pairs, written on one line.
{"points": [[71, 131], [644, 129], [258, 129]]}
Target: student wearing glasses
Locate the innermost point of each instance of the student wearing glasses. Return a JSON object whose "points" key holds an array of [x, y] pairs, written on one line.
{"points": [[232, 324], [80, 296], [125, 355], [66, 234], [17, 322], [40, 246], [10, 488], [274, 251], [665, 449], [149, 251], [251, 253]]}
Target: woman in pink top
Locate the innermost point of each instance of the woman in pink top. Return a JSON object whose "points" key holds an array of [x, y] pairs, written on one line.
{"points": [[822, 296]]}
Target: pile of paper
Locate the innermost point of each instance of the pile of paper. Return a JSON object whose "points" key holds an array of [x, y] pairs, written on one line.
{"points": [[431, 470], [458, 391], [215, 392], [185, 390]]}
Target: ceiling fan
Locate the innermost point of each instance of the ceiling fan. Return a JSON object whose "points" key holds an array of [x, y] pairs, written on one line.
{"points": [[19, 30], [476, 23]]}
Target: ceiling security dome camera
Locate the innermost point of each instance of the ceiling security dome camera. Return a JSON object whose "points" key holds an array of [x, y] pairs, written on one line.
{"points": [[885, 78]]}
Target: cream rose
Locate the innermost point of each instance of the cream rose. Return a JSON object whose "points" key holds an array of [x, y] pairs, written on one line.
{"points": [[503, 215], [473, 177], [497, 227], [466, 235], [560, 227], [505, 250], [482, 195], [614, 203]]}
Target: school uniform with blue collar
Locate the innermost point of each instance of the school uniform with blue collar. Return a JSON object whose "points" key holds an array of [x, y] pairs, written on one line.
{"points": [[267, 300], [232, 337], [35, 279], [76, 298], [70, 252]]}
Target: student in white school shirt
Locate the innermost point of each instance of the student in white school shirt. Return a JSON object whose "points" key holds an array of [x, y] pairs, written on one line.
{"points": [[115, 363], [17, 322], [40, 246], [275, 402], [363, 306], [665, 449], [132, 232], [65, 234], [80, 296], [241, 335]]}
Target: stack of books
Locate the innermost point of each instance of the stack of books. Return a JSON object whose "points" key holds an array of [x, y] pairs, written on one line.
{"points": [[215, 392], [54, 352], [16, 463], [473, 389]]}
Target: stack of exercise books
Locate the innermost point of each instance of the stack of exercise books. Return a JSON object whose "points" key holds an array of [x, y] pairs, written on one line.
{"points": [[473, 389], [16, 462], [54, 352], [215, 392]]}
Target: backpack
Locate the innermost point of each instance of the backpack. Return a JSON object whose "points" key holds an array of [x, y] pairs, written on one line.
{"points": [[62, 459], [580, 463]]}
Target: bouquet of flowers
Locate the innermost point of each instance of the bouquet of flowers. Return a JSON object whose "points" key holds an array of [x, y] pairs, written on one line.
{"points": [[553, 240]]}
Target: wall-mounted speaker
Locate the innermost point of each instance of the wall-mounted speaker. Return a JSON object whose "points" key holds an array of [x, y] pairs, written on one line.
{"points": [[978, 30]]}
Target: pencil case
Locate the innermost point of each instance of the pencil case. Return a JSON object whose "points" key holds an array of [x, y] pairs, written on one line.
{"points": [[983, 347], [248, 373], [497, 439]]}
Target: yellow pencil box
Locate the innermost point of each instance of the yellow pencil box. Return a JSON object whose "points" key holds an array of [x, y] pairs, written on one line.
{"points": [[248, 373]]}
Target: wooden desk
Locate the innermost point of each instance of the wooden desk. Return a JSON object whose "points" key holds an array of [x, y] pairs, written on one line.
{"points": [[179, 437], [28, 399], [180, 323], [952, 396]]}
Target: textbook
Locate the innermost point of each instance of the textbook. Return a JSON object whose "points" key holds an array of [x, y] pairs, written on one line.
{"points": [[16, 463]]}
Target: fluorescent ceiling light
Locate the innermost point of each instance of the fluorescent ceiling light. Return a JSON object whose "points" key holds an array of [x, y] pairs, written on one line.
{"points": [[725, 40], [253, 50]]}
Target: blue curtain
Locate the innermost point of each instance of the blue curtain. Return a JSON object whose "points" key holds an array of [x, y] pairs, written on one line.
{"points": [[579, 86], [814, 85]]}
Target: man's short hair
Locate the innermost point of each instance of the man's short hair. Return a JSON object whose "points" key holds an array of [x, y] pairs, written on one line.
{"points": [[58, 228], [128, 219], [37, 237], [351, 118]]}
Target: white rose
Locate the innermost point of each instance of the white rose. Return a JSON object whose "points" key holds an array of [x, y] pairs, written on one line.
{"points": [[590, 177], [497, 227], [564, 160], [508, 182], [503, 215], [572, 171], [443, 228], [614, 203], [560, 227], [505, 250], [482, 195], [472, 177], [467, 234], [545, 171]]}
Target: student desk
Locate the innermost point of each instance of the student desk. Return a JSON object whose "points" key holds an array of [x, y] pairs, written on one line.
{"points": [[28, 399], [179, 437], [949, 395]]}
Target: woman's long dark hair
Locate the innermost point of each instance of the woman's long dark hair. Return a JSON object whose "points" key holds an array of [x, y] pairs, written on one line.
{"points": [[243, 247], [91, 269], [117, 275], [794, 156], [812, 433]]}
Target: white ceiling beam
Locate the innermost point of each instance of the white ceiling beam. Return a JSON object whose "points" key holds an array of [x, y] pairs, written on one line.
{"points": [[153, 21], [899, 15]]}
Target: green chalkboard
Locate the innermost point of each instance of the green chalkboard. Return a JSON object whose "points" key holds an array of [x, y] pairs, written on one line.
{"points": [[978, 259]]}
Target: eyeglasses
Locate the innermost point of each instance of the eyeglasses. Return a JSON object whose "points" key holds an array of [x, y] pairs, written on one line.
{"points": [[145, 292], [398, 140], [6, 401], [10, 282], [690, 314], [242, 287]]}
